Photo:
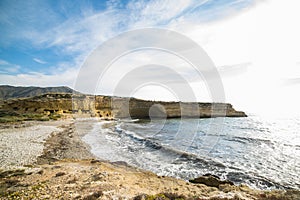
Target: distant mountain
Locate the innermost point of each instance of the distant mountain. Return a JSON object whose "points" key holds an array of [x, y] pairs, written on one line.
{"points": [[9, 92]]}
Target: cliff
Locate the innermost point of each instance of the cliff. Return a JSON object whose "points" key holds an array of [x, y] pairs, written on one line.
{"points": [[114, 107], [137, 108]]}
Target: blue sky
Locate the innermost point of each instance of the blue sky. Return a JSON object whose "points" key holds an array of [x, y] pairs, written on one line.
{"points": [[50, 36], [254, 44]]}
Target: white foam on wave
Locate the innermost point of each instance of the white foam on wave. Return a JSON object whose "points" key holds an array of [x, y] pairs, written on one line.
{"points": [[253, 152]]}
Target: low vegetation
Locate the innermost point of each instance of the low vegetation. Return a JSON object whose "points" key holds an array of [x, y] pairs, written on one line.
{"points": [[11, 116]]}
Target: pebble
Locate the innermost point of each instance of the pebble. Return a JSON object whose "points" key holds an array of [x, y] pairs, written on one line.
{"points": [[23, 145]]}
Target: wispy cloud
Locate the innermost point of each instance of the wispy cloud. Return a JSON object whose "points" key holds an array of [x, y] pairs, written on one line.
{"points": [[291, 81], [8, 68], [235, 69], [39, 61], [83, 32], [77, 35], [39, 79]]}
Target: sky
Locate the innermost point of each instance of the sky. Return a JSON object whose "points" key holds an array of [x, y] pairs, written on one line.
{"points": [[254, 45]]}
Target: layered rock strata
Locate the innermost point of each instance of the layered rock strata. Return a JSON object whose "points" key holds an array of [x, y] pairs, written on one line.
{"points": [[117, 107]]}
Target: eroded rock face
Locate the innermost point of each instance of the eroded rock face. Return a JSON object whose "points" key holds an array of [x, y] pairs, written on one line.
{"points": [[49, 103], [136, 108], [107, 107]]}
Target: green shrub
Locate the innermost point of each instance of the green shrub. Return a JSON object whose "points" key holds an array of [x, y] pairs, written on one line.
{"points": [[54, 116]]}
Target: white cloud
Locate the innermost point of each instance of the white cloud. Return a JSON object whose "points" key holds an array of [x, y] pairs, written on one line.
{"points": [[83, 34], [6, 67], [39, 61], [234, 70], [156, 12], [266, 39], [38, 79]]}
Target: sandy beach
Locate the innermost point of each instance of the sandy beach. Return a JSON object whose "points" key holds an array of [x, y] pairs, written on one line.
{"points": [[48, 160]]}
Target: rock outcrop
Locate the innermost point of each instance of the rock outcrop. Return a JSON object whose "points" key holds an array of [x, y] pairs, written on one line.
{"points": [[87, 179], [210, 180]]}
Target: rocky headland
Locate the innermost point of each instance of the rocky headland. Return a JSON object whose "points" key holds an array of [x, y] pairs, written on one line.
{"points": [[64, 105]]}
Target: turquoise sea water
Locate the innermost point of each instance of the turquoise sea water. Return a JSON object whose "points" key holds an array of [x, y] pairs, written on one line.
{"points": [[261, 152]]}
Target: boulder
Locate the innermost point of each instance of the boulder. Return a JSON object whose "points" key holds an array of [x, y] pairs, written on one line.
{"points": [[210, 180]]}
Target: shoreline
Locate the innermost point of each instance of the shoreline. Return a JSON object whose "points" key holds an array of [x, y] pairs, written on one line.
{"points": [[66, 168], [67, 144]]}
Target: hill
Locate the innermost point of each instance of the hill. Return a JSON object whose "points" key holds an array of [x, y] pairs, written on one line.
{"points": [[12, 92]]}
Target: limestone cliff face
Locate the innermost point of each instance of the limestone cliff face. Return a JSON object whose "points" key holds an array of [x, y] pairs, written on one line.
{"points": [[117, 107], [136, 108]]}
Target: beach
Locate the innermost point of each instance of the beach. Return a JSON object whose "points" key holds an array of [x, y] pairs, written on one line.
{"points": [[21, 143], [49, 160]]}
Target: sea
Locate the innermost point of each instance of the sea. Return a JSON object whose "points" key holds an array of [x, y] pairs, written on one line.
{"points": [[262, 152]]}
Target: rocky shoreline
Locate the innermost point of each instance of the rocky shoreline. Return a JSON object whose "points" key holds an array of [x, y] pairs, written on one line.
{"points": [[56, 164]]}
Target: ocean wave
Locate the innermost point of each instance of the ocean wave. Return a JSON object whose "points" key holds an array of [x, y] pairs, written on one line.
{"points": [[166, 153], [181, 158]]}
